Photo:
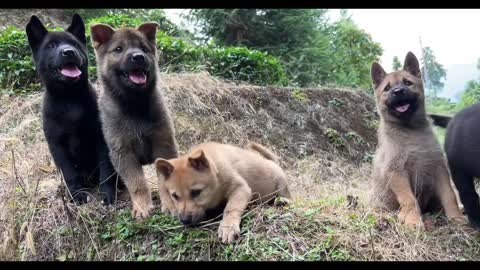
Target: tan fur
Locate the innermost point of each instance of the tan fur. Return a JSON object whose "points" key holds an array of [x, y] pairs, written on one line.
{"points": [[223, 173], [409, 173], [137, 126]]}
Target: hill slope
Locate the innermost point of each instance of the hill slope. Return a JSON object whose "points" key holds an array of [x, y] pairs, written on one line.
{"points": [[325, 138]]}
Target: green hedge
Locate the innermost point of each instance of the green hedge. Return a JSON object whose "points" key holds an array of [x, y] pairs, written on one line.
{"points": [[18, 75], [16, 66]]}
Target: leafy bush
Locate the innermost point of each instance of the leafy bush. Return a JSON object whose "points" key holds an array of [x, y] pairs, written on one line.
{"points": [[240, 63], [116, 21], [177, 55], [18, 75], [17, 71], [471, 94]]}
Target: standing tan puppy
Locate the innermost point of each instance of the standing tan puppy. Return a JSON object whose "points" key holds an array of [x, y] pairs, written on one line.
{"points": [[410, 174], [213, 174], [135, 120]]}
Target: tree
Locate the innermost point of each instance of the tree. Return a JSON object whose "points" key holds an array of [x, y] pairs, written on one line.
{"points": [[471, 93], [312, 50], [396, 63], [352, 52], [433, 73], [297, 37]]}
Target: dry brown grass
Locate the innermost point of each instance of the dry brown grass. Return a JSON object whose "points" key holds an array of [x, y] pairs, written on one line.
{"points": [[328, 219]]}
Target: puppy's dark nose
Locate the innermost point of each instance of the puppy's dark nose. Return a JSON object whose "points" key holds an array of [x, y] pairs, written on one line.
{"points": [[398, 91], [68, 52], [137, 58], [186, 220]]}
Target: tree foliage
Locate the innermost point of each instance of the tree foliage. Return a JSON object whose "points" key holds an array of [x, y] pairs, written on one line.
{"points": [[434, 73], [352, 53], [312, 50], [396, 63]]}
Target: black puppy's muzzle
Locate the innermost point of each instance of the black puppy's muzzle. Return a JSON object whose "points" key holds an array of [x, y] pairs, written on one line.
{"points": [[69, 55], [69, 52]]}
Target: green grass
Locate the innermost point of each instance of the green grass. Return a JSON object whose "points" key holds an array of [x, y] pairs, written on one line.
{"points": [[439, 134]]}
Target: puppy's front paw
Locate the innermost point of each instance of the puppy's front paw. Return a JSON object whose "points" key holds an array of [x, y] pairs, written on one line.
{"points": [[228, 231], [281, 201], [142, 208], [80, 198], [460, 220], [412, 220]]}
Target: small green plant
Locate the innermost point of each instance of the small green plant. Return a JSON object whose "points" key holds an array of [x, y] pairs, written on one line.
{"points": [[354, 137], [368, 157], [336, 103], [334, 137], [299, 95], [371, 122]]}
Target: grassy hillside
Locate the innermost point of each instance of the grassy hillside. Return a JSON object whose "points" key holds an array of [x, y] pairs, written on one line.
{"points": [[325, 138]]}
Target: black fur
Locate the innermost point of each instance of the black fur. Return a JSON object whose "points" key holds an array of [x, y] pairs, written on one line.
{"points": [[440, 120], [71, 121], [462, 146]]}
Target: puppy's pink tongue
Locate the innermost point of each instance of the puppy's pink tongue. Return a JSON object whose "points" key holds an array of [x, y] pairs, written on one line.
{"points": [[403, 108], [70, 71], [137, 77]]}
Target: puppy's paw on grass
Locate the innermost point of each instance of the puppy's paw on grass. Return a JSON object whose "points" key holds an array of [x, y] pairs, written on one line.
{"points": [[228, 232], [141, 209], [459, 220], [281, 201], [411, 219]]}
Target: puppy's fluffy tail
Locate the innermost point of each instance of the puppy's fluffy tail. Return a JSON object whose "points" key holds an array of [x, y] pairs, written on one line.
{"points": [[263, 151], [440, 120]]}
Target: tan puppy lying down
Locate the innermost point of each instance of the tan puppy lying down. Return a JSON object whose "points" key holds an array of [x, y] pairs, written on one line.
{"points": [[212, 174]]}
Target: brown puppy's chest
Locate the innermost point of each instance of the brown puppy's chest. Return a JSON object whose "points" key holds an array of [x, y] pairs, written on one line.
{"points": [[143, 149], [419, 156], [140, 139]]}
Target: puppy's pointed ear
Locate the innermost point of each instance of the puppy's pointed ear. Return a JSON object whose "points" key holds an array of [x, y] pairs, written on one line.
{"points": [[77, 28], [378, 74], [411, 65], [36, 32], [101, 33], [199, 161], [164, 167], [149, 29]]}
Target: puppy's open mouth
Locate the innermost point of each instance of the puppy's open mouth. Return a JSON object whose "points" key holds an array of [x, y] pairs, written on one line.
{"points": [[137, 77], [401, 108], [70, 71]]}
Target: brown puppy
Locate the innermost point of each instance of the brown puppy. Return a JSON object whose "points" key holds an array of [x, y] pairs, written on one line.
{"points": [[410, 172], [135, 119], [212, 174]]}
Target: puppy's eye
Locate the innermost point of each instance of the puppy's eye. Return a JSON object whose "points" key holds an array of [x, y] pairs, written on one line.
{"points": [[51, 45], [144, 49], [407, 82], [118, 49], [195, 192], [386, 88], [175, 196]]}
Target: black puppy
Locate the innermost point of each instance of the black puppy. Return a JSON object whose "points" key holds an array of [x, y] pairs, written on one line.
{"points": [[462, 146], [71, 121]]}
